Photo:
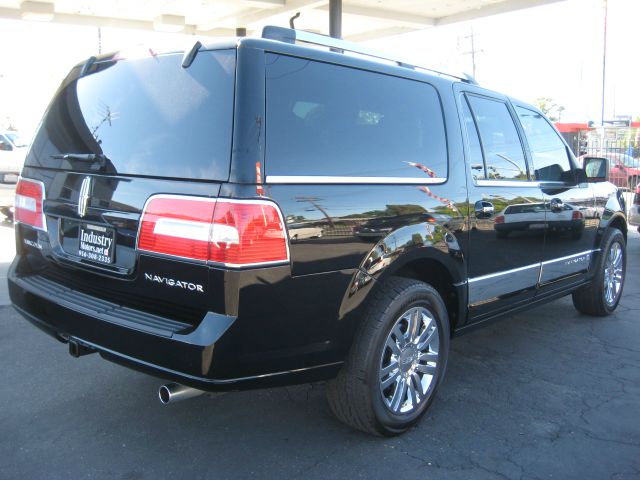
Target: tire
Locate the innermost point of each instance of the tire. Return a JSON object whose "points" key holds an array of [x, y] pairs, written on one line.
{"points": [[356, 396], [602, 295]]}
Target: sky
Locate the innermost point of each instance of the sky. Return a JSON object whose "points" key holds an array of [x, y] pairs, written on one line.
{"points": [[551, 51]]}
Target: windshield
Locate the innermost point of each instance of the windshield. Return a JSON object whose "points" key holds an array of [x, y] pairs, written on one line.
{"points": [[16, 139], [145, 116], [629, 161]]}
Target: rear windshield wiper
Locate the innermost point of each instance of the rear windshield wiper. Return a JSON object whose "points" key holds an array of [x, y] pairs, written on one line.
{"points": [[99, 160]]}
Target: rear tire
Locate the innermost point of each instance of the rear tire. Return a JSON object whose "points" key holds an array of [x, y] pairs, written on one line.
{"points": [[602, 295], [396, 362]]}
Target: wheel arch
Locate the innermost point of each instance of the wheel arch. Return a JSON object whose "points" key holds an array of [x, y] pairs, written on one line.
{"points": [[436, 259]]}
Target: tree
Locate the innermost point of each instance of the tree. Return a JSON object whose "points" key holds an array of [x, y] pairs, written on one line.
{"points": [[549, 108]]}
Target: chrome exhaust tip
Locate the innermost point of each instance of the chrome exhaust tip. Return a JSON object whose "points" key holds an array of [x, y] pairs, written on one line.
{"points": [[173, 392]]}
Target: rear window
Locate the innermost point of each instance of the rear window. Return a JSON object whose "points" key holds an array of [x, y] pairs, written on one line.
{"points": [[329, 120], [148, 116]]}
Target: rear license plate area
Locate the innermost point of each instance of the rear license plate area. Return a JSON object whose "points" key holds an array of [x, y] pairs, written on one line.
{"points": [[96, 243]]}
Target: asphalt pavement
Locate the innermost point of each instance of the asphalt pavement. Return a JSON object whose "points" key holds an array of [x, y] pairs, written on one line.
{"points": [[545, 394]]}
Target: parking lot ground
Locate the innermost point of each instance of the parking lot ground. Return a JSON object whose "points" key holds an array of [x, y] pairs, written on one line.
{"points": [[545, 394]]}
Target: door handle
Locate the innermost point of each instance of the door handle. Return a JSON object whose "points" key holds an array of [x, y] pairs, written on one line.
{"points": [[556, 204]]}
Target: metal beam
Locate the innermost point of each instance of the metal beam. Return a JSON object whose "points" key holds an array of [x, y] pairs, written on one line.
{"points": [[494, 9], [388, 16], [291, 7], [380, 33], [335, 18], [95, 21]]}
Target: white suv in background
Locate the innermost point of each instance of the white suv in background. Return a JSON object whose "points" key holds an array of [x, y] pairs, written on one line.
{"points": [[13, 150]]}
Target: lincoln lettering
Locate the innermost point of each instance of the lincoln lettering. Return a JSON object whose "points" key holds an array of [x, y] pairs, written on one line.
{"points": [[172, 282]]}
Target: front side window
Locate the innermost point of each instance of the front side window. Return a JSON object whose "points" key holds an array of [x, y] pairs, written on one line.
{"points": [[549, 154], [329, 120], [503, 153]]}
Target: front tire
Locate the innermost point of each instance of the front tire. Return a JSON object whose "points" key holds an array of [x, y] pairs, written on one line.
{"points": [[397, 361], [602, 295]]}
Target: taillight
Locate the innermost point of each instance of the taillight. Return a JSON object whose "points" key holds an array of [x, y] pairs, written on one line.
{"points": [[576, 215], [235, 233], [28, 203], [499, 219]]}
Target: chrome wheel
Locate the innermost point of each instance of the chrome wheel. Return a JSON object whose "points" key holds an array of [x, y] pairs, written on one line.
{"points": [[613, 273], [409, 360]]}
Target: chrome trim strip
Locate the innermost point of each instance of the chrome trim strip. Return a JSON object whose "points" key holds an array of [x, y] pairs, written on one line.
{"points": [[505, 272], [506, 183], [492, 286], [319, 179], [559, 268], [547, 262]]}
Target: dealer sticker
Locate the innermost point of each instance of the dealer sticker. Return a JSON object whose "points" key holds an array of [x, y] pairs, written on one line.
{"points": [[96, 243]]}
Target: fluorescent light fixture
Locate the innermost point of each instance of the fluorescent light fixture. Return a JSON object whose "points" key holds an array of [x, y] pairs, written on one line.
{"points": [[169, 23], [38, 11]]}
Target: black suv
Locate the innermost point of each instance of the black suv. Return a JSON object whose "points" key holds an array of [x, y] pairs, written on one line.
{"points": [[257, 212]]}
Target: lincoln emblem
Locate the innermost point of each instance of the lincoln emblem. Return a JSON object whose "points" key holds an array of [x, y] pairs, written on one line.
{"points": [[83, 199]]}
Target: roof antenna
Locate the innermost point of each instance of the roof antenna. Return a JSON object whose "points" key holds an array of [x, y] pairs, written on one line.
{"points": [[293, 19]]}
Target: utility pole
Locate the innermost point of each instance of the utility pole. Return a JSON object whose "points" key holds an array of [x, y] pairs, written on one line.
{"points": [[473, 51], [604, 62]]}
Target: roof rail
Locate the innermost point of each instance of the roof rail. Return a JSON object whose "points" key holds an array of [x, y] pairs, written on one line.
{"points": [[288, 35]]}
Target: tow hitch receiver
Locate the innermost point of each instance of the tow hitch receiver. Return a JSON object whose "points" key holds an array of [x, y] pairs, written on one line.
{"points": [[78, 350]]}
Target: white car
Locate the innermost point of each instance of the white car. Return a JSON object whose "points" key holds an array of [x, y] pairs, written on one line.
{"points": [[12, 154], [13, 150]]}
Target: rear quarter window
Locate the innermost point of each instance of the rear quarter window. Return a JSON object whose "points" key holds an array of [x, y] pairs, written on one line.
{"points": [[329, 120]]}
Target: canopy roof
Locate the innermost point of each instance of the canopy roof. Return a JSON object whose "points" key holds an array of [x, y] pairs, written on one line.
{"points": [[362, 19]]}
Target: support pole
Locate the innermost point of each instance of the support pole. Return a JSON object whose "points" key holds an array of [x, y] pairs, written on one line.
{"points": [[335, 18], [604, 64]]}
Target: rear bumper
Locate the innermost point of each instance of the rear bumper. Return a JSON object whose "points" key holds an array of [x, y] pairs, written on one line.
{"points": [[152, 344]]}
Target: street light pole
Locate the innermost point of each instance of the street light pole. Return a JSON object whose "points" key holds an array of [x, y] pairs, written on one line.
{"points": [[604, 62]]}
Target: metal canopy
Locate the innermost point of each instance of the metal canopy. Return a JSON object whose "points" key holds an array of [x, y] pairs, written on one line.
{"points": [[361, 19]]}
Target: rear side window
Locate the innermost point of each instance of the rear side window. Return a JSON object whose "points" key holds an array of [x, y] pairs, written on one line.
{"points": [[503, 154], [148, 116], [550, 158], [328, 120]]}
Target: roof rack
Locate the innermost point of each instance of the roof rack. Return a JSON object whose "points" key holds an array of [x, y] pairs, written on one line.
{"points": [[288, 35]]}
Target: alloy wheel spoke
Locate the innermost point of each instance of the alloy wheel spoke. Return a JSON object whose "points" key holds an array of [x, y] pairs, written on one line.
{"points": [[390, 379], [393, 346], [414, 324], [393, 365], [428, 369], [426, 337], [399, 395], [417, 382], [413, 395]]}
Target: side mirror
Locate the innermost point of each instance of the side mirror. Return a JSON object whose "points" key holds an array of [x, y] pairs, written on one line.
{"points": [[595, 169], [580, 176]]}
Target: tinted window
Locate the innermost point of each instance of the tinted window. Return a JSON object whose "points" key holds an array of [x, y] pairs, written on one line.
{"points": [[476, 159], [329, 120], [503, 154], [149, 116], [550, 159]]}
